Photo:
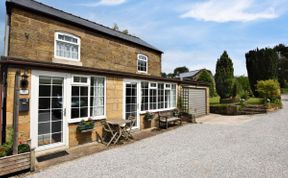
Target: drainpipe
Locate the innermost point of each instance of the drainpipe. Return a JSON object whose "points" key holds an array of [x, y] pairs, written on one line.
{"points": [[7, 31], [3, 75]]}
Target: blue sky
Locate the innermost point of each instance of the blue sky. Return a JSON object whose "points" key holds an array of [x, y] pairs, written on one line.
{"points": [[191, 33]]}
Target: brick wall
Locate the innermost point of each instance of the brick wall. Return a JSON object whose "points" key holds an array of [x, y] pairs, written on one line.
{"points": [[32, 36]]}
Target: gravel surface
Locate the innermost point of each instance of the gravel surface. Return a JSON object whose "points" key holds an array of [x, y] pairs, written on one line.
{"points": [[257, 148]]}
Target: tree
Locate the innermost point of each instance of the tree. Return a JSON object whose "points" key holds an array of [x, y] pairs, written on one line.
{"points": [[206, 76], [224, 76], [282, 52], [125, 31], [115, 27], [180, 70], [163, 74], [261, 65], [243, 85]]}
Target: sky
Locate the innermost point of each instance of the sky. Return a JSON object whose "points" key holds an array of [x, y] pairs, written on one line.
{"points": [[192, 33]]}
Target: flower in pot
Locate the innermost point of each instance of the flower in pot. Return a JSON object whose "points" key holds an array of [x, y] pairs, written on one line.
{"points": [[148, 116], [85, 125]]}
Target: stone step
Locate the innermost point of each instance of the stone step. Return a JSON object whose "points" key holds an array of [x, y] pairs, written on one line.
{"points": [[250, 112], [255, 106], [261, 110]]}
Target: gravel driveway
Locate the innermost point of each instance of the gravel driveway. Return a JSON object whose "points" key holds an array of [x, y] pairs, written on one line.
{"points": [[255, 148]]}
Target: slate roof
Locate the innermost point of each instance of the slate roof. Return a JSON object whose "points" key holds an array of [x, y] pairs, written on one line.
{"points": [[67, 17], [189, 74]]}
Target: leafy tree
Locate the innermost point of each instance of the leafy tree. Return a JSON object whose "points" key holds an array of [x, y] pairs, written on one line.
{"points": [[163, 74], [115, 27], [224, 76], [269, 89], [261, 65], [180, 70], [125, 31], [170, 75], [243, 85], [206, 76]]}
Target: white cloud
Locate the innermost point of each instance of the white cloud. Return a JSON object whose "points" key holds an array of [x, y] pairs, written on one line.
{"points": [[104, 3], [230, 11]]}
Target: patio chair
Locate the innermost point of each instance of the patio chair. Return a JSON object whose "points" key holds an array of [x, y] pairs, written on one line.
{"points": [[127, 128], [109, 134]]}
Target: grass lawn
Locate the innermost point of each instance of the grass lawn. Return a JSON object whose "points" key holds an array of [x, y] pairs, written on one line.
{"points": [[285, 90], [214, 100], [253, 101]]}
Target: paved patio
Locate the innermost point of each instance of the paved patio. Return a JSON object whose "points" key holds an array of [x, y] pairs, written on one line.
{"points": [[246, 146]]}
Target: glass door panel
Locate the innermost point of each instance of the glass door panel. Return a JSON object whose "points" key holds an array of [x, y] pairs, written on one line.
{"points": [[50, 110], [131, 101]]}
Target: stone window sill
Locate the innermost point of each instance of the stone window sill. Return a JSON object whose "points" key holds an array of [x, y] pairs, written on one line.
{"points": [[65, 61]]}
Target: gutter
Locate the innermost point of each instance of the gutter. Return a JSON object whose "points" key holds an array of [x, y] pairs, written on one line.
{"points": [[24, 63]]}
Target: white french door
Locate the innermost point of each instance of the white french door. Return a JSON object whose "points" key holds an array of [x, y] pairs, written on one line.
{"points": [[131, 100], [48, 123]]}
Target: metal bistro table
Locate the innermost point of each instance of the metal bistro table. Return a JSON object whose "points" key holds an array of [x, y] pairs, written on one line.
{"points": [[119, 128]]}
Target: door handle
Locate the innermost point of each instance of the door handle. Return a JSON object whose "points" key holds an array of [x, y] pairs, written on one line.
{"points": [[64, 112]]}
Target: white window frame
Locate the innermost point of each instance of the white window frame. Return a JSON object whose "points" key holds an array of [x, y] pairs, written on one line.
{"points": [[145, 60], [72, 36], [169, 87], [105, 98], [76, 120]]}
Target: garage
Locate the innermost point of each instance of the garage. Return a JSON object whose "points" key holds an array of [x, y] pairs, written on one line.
{"points": [[195, 101]]}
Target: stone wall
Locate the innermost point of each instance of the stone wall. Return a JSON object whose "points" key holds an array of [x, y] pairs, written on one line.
{"points": [[24, 117], [32, 37]]}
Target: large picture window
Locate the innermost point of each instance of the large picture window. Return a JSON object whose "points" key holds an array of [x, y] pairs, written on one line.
{"points": [[83, 89], [157, 96], [67, 46]]}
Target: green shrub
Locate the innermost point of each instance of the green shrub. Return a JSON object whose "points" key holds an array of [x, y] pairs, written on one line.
{"points": [[23, 148], [269, 89], [7, 148], [235, 89]]}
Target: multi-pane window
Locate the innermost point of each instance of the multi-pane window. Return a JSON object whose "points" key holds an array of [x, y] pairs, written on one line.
{"points": [[157, 96], [168, 96], [153, 96], [142, 63], [97, 96], [84, 88], [160, 95], [67, 46], [79, 102], [145, 96], [173, 95]]}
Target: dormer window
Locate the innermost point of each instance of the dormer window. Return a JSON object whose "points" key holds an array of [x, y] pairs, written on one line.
{"points": [[67, 46], [142, 63]]}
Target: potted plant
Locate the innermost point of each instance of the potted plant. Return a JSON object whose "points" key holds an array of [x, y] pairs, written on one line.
{"points": [[148, 116], [86, 126]]}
